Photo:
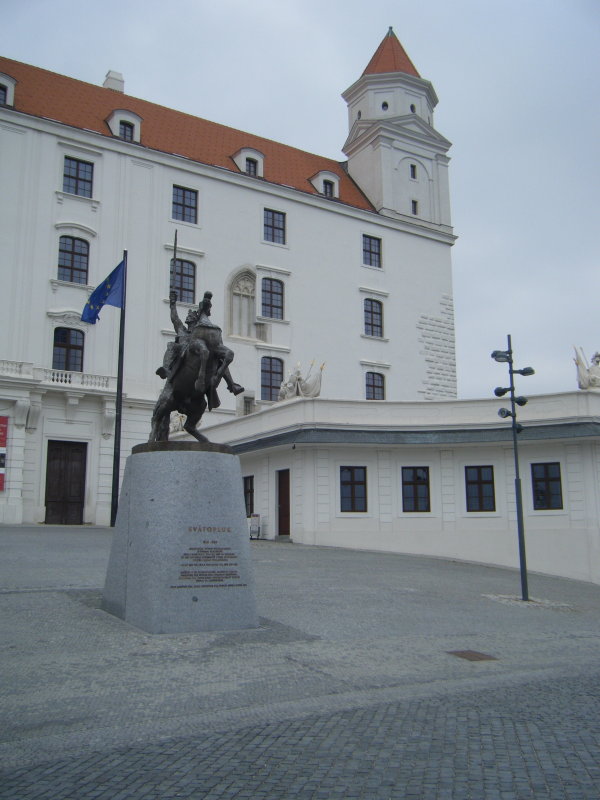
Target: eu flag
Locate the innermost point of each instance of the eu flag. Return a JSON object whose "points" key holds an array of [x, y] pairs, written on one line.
{"points": [[109, 292]]}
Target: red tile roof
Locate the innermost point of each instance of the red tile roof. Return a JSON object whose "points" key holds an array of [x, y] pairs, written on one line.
{"points": [[390, 56], [83, 105]]}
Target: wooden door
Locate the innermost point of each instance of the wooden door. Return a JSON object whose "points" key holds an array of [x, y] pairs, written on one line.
{"points": [[65, 482], [283, 502]]}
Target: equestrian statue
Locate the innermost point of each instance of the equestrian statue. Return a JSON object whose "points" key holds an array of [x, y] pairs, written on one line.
{"points": [[193, 366]]}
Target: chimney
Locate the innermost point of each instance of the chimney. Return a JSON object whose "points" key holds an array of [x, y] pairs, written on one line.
{"points": [[114, 80]]}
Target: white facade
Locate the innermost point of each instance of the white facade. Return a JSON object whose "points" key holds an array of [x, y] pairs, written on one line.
{"points": [[315, 439], [320, 265]]}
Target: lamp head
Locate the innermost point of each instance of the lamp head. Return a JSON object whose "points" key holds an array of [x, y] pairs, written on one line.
{"points": [[504, 413], [525, 371], [502, 356], [500, 391], [521, 401]]}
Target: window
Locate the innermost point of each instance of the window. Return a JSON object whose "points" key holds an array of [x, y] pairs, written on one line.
{"points": [[252, 167], [413, 171], [185, 204], [249, 494], [371, 251], [271, 377], [274, 228], [78, 177], [414, 205], [126, 131], [248, 407], [415, 489], [73, 260], [67, 354], [3, 94], [375, 386], [373, 317], [479, 483], [328, 188], [272, 298], [353, 489], [183, 280], [547, 486]]}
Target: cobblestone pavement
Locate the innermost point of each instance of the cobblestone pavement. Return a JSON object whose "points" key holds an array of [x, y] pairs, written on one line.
{"points": [[537, 740], [350, 688]]}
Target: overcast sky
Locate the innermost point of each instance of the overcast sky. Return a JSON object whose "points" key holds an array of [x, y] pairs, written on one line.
{"points": [[518, 87]]}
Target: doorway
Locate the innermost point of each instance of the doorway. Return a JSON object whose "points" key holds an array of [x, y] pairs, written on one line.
{"points": [[283, 502], [65, 482]]}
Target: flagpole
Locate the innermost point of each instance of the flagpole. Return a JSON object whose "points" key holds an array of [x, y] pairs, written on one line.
{"points": [[119, 403]]}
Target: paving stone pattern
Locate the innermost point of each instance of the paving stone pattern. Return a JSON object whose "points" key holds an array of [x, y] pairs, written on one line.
{"points": [[537, 740], [348, 689]]}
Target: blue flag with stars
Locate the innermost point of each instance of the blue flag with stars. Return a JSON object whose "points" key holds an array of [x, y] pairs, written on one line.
{"points": [[109, 292]]}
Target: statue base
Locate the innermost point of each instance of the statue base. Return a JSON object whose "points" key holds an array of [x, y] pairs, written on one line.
{"points": [[180, 557]]}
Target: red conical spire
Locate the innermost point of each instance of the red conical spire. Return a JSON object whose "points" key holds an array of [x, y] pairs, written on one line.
{"points": [[390, 56]]}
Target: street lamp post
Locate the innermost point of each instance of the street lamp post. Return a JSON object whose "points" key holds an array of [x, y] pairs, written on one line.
{"points": [[506, 357]]}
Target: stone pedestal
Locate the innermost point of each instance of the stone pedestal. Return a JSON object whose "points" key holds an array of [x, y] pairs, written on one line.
{"points": [[180, 558]]}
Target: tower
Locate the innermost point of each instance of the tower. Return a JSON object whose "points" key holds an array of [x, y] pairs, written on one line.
{"points": [[394, 153]]}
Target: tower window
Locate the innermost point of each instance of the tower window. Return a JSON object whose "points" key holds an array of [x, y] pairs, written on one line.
{"points": [[414, 204], [413, 107], [384, 106], [413, 171]]}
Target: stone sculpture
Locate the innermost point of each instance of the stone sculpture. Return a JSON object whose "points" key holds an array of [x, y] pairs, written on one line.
{"points": [[193, 366], [297, 386], [588, 375]]}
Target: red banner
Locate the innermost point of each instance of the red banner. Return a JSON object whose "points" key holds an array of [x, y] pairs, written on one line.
{"points": [[3, 437]]}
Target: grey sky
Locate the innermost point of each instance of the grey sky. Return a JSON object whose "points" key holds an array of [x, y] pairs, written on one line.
{"points": [[518, 84]]}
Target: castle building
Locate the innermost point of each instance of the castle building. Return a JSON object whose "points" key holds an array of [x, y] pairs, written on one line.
{"points": [[308, 259]]}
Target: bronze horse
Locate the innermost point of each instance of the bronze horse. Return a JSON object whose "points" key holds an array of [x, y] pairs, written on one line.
{"points": [[191, 386]]}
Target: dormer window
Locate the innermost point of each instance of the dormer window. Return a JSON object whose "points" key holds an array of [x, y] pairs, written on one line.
{"points": [[126, 131], [326, 183], [7, 90], [250, 162], [125, 124]]}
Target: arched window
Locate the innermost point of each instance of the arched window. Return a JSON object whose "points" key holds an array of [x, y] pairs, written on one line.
{"points": [[242, 309], [272, 298], [373, 318], [183, 280], [3, 94], [375, 386], [271, 377], [67, 354], [73, 257]]}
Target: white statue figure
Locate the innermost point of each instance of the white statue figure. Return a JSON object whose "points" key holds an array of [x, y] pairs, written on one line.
{"points": [[297, 386], [588, 375]]}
